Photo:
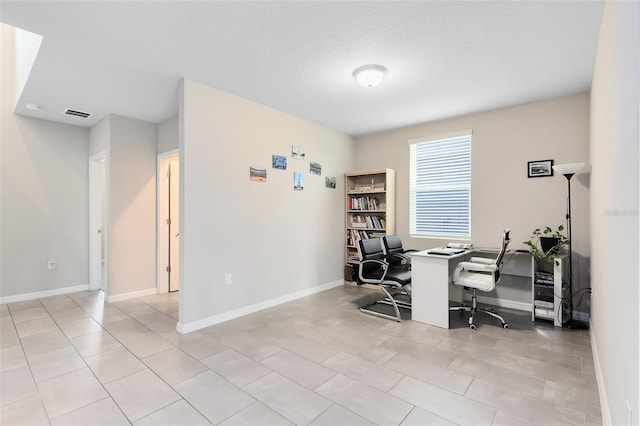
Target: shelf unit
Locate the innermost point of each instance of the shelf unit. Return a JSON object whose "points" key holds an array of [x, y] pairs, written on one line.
{"points": [[370, 207], [548, 292]]}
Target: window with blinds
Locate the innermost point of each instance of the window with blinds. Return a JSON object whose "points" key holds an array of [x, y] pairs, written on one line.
{"points": [[440, 187]]}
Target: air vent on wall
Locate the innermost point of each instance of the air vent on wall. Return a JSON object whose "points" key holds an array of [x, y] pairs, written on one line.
{"points": [[75, 113]]}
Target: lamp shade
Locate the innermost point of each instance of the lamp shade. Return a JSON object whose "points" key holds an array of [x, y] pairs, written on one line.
{"points": [[370, 75], [568, 169]]}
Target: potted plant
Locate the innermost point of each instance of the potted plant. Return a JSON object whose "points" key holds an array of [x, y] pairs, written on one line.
{"points": [[546, 243]]}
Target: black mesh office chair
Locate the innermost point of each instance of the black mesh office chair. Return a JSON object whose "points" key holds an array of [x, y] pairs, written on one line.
{"points": [[396, 254], [374, 269], [480, 274]]}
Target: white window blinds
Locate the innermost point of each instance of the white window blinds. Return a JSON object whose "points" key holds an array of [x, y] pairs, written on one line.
{"points": [[440, 187]]}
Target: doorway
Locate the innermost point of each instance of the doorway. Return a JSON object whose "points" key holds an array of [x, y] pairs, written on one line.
{"points": [[168, 222], [97, 221]]}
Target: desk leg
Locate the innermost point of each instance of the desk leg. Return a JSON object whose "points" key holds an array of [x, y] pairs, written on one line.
{"points": [[430, 290]]}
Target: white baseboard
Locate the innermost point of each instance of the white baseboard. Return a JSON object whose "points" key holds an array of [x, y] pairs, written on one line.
{"points": [[43, 294], [236, 313], [131, 295], [511, 304], [602, 392]]}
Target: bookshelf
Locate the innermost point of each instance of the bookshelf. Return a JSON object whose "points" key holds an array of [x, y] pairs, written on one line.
{"points": [[370, 207]]}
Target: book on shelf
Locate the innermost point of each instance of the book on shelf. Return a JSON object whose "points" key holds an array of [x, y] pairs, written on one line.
{"points": [[362, 188], [368, 221], [544, 313], [355, 235], [364, 203], [543, 303], [358, 221], [544, 278]]}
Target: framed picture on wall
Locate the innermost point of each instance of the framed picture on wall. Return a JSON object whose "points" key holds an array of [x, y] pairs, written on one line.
{"points": [[297, 152], [279, 162], [298, 181], [257, 174], [315, 168], [540, 168], [330, 182]]}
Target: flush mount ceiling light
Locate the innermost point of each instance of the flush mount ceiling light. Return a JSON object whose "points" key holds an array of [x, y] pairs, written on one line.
{"points": [[33, 107], [370, 75]]}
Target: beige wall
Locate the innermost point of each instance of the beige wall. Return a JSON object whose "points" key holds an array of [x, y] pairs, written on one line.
{"points": [[131, 250], [43, 196], [502, 196], [273, 240], [615, 203]]}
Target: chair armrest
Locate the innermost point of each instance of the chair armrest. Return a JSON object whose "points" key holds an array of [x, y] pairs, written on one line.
{"points": [[400, 256], [483, 260], [384, 265], [381, 262], [477, 267]]}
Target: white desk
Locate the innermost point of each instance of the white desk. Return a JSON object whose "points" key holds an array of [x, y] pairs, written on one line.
{"points": [[431, 287]]}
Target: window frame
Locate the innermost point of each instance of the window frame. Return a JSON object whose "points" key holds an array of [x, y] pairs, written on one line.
{"points": [[465, 136]]}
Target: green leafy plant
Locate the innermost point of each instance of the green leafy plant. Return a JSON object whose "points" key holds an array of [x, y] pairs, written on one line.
{"points": [[539, 243]]}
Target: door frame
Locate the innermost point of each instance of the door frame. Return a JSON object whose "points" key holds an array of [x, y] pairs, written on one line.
{"points": [[96, 220], [162, 249]]}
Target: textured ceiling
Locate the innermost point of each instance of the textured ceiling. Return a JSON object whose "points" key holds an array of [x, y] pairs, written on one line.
{"points": [[445, 58]]}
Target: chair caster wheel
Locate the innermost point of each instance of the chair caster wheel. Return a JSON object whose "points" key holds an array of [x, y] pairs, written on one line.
{"points": [[473, 326], [505, 325]]}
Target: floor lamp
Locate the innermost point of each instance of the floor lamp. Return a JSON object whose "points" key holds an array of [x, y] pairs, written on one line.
{"points": [[568, 170]]}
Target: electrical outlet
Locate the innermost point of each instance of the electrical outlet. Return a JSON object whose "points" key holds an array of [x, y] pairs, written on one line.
{"points": [[227, 279], [51, 264]]}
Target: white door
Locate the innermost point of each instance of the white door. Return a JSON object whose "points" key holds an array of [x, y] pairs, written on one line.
{"points": [[174, 224], [97, 221]]}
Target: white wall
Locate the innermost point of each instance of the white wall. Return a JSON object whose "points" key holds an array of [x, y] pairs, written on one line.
{"points": [[273, 240], [131, 250], [168, 135], [615, 210], [99, 136], [43, 196], [502, 196]]}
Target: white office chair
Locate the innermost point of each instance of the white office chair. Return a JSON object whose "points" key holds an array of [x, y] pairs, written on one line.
{"points": [[480, 274]]}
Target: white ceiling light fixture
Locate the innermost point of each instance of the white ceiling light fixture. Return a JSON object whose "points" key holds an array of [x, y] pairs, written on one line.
{"points": [[370, 75]]}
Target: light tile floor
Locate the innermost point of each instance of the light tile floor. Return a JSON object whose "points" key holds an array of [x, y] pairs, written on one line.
{"points": [[72, 359]]}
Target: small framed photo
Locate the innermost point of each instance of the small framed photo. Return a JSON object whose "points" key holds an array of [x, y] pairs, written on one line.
{"points": [[279, 162], [315, 168], [257, 174], [330, 182], [298, 181], [541, 168], [297, 152]]}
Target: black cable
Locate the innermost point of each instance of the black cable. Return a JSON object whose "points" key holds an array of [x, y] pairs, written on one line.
{"points": [[581, 296], [583, 290], [510, 253]]}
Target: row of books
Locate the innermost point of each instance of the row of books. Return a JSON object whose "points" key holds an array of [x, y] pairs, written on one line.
{"points": [[544, 278], [365, 203], [366, 221], [354, 235], [374, 186]]}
